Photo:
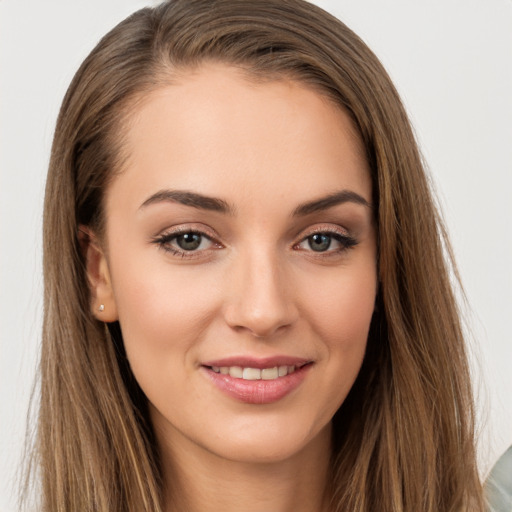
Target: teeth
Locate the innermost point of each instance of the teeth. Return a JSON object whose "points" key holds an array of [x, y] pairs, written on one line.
{"points": [[251, 374], [237, 372], [269, 373], [254, 373]]}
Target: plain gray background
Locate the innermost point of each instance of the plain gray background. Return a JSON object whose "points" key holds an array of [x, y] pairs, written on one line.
{"points": [[451, 61]]}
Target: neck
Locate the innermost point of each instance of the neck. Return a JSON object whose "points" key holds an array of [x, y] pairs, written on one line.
{"points": [[199, 481]]}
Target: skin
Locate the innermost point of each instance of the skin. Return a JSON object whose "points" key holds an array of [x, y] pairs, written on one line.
{"points": [[255, 286]]}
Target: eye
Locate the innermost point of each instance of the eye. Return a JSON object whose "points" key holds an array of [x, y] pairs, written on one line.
{"points": [[327, 242], [185, 243], [319, 242], [189, 241]]}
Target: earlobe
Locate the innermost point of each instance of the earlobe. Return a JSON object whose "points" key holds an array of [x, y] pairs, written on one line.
{"points": [[103, 304]]}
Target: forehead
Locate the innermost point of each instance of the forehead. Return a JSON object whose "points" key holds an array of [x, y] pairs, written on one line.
{"points": [[216, 131]]}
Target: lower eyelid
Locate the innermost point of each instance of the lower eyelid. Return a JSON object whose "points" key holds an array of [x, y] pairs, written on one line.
{"points": [[345, 241], [167, 242], [170, 235]]}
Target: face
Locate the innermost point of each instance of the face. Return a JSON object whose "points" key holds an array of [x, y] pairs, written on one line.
{"points": [[240, 260]]}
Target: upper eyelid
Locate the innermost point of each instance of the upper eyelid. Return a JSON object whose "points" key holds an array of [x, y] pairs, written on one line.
{"points": [[164, 241], [333, 230], [179, 230], [305, 233], [214, 237]]}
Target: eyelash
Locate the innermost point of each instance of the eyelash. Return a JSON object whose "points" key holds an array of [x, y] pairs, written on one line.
{"points": [[346, 242], [164, 242]]}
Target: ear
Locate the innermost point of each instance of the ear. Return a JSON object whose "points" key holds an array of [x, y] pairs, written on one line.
{"points": [[103, 303]]}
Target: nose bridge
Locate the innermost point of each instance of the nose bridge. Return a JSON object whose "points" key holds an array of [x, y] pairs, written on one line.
{"points": [[260, 301]]}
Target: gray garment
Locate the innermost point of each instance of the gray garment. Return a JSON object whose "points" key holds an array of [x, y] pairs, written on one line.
{"points": [[498, 486]]}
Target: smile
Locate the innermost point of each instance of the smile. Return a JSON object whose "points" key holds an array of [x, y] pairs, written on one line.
{"points": [[239, 372], [257, 381]]}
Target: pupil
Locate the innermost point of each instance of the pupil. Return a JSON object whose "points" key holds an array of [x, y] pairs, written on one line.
{"points": [[319, 242], [189, 241]]}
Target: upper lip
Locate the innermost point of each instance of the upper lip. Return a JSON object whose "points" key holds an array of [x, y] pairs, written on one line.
{"points": [[258, 362]]}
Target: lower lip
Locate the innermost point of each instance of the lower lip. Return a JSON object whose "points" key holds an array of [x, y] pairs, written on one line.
{"points": [[258, 391]]}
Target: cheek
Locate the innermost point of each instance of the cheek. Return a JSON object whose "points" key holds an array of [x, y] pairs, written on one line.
{"points": [[340, 317], [342, 307], [162, 310], [339, 313]]}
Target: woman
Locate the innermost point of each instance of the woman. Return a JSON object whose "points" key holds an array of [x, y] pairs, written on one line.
{"points": [[247, 304]]}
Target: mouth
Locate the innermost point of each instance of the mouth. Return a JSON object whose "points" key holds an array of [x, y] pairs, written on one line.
{"points": [[249, 373], [256, 381]]}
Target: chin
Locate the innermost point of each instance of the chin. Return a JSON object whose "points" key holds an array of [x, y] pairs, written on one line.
{"points": [[271, 444]]}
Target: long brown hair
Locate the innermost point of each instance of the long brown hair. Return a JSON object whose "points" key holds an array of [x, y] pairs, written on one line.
{"points": [[404, 437]]}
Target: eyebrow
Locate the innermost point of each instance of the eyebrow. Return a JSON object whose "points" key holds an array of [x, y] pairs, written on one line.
{"points": [[329, 201], [203, 202], [187, 198]]}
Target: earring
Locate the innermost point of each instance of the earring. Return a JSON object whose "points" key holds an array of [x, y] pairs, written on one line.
{"points": [[101, 308]]}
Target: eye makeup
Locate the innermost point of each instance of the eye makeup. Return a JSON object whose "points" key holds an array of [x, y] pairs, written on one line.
{"points": [[192, 242], [187, 242]]}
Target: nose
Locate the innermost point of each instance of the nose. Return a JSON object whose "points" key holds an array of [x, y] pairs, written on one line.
{"points": [[261, 299]]}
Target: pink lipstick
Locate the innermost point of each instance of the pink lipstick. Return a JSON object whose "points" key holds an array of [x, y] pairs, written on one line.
{"points": [[257, 380]]}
